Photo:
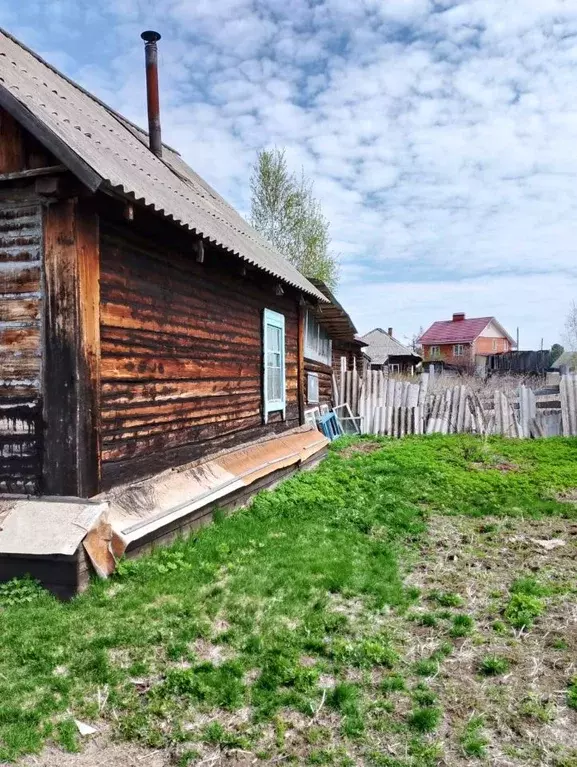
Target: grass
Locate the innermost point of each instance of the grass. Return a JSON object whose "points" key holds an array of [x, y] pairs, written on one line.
{"points": [[493, 665], [290, 616]]}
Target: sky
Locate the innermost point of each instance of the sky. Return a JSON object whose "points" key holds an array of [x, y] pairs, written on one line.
{"points": [[441, 135]]}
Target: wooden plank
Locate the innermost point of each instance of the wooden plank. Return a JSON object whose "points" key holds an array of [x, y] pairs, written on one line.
{"points": [[71, 253], [89, 413]]}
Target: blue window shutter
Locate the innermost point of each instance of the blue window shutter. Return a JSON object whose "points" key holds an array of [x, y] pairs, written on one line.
{"points": [[274, 371]]}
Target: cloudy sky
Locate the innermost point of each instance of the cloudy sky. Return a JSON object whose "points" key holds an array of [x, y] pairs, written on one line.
{"points": [[441, 135]]}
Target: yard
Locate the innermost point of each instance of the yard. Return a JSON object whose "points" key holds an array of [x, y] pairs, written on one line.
{"points": [[410, 602]]}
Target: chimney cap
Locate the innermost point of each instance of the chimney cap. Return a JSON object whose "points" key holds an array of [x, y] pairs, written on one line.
{"points": [[149, 36]]}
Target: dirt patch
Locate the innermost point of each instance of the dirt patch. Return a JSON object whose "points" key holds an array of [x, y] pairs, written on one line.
{"points": [[366, 446], [567, 496], [524, 711], [503, 466]]}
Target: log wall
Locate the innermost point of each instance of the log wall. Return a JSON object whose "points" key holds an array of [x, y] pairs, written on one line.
{"points": [[181, 346], [20, 347], [325, 373]]}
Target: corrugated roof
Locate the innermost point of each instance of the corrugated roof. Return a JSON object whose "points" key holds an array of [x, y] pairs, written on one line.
{"points": [[117, 151], [381, 346], [333, 317], [455, 331]]}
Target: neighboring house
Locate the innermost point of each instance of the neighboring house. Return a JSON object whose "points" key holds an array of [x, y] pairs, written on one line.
{"points": [[565, 363], [384, 351], [143, 323], [462, 343]]}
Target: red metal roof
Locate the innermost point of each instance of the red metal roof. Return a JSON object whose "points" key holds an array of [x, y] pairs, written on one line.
{"points": [[455, 331]]}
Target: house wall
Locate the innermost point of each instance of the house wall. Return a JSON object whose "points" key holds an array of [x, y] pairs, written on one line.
{"points": [[325, 374], [491, 345], [446, 354], [181, 346], [20, 347], [21, 310]]}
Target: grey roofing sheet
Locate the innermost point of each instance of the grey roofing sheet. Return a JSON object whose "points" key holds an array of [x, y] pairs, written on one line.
{"points": [[381, 346], [116, 150]]}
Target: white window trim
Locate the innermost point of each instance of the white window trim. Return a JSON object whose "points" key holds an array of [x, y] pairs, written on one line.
{"points": [[458, 350], [314, 377], [276, 320], [434, 351]]}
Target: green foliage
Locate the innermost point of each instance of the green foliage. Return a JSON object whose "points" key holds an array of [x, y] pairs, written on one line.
{"points": [[556, 351], [285, 212], [20, 591], [572, 693], [523, 609], [493, 665], [473, 739], [67, 735]]}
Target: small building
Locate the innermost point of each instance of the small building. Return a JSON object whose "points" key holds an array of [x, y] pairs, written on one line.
{"points": [[565, 363], [463, 344], [386, 353], [144, 327]]}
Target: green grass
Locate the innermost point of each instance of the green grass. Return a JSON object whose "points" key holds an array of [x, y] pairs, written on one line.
{"points": [[265, 588], [473, 739], [493, 665]]}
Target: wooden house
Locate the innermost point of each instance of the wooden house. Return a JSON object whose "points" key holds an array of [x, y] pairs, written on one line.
{"points": [[330, 342], [143, 323], [386, 353]]}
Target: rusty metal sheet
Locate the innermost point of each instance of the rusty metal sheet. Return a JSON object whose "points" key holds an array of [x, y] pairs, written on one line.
{"points": [[139, 509], [118, 152]]}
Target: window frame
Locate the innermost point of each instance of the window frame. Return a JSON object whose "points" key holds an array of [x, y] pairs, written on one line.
{"points": [[319, 348], [458, 350], [311, 376], [434, 351], [273, 319]]}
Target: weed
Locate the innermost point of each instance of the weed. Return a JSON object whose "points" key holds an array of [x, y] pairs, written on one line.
{"points": [[572, 693], [523, 609], [426, 667], [499, 627], [20, 591], [536, 708], [446, 599], [424, 696], [493, 665], [473, 739], [393, 683], [425, 718], [462, 625]]}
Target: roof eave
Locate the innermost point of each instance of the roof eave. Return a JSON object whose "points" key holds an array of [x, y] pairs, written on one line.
{"points": [[75, 164]]}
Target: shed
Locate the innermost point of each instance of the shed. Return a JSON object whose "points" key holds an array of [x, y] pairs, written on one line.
{"points": [[143, 323]]}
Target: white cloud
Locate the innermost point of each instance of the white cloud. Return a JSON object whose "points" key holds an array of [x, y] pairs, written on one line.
{"points": [[440, 135]]}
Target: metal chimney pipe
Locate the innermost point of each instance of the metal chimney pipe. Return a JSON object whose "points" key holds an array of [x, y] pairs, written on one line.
{"points": [[152, 98], [390, 332]]}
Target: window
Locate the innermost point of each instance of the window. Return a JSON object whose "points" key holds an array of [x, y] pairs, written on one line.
{"points": [[494, 344], [506, 346], [274, 383], [435, 351], [312, 388], [394, 368], [318, 345], [458, 350]]}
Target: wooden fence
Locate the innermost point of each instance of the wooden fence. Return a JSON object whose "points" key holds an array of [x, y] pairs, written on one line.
{"points": [[390, 407]]}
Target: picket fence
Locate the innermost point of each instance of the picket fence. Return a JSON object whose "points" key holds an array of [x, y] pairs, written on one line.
{"points": [[390, 407]]}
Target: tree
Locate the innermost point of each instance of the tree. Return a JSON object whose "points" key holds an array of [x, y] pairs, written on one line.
{"points": [[570, 335], [556, 351], [284, 210]]}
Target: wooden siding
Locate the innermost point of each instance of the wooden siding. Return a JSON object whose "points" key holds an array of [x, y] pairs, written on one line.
{"points": [[181, 347], [20, 347], [325, 374]]}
